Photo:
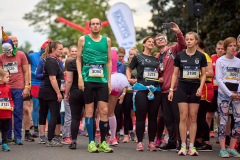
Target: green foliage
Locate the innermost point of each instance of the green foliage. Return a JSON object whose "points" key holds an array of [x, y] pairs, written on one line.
{"points": [[77, 11], [1, 51], [26, 47], [221, 20]]}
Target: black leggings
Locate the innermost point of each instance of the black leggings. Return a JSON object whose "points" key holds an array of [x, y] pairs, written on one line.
{"points": [[43, 112], [160, 124], [202, 125], [127, 106], [54, 107], [76, 102], [119, 116], [144, 107]]}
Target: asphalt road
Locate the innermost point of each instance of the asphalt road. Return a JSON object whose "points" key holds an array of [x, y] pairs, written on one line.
{"points": [[36, 151]]}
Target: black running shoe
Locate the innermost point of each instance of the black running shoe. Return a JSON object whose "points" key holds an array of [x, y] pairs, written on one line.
{"points": [[132, 136], [178, 148], [168, 147], [73, 145], [205, 148], [197, 144], [28, 137]]}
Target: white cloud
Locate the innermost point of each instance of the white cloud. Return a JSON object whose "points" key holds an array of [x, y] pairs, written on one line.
{"points": [[11, 19]]}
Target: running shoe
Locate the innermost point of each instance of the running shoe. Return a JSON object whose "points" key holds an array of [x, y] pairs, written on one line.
{"points": [[92, 147], [192, 151], [9, 140], [233, 153], [73, 145], [151, 147], [183, 151], [158, 143], [212, 134], [58, 137], [81, 132], [66, 141], [42, 140], [198, 144], [224, 153], [205, 148], [168, 147], [126, 139], [112, 142], [97, 134], [18, 141], [28, 137], [5, 147], [103, 147], [132, 135], [178, 148], [121, 132], [118, 136], [54, 143], [35, 134], [140, 147], [86, 134]]}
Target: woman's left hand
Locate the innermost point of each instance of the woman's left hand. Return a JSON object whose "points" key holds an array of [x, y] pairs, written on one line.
{"points": [[199, 92]]}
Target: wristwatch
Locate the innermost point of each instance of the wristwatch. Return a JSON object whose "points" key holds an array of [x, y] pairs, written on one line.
{"points": [[170, 89]]}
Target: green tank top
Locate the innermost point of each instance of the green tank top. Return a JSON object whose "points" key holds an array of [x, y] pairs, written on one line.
{"points": [[94, 53]]}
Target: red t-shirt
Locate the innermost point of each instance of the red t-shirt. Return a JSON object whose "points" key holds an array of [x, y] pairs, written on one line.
{"points": [[214, 61], [235, 53], [14, 65], [5, 92]]}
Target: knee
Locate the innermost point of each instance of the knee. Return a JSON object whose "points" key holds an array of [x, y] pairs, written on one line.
{"points": [[89, 112], [193, 119], [104, 111], [183, 118], [26, 110]]}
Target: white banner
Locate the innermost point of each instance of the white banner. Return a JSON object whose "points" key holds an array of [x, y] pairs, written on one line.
{"points": [[121, 22]]}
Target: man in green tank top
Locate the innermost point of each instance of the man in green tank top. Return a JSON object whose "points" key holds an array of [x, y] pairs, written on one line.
{"points": [[94, 79]]}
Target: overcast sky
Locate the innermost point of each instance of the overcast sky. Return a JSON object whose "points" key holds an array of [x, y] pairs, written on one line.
{"points": [[12, 11]]}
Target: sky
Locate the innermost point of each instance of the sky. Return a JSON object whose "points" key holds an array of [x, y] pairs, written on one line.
{"points": [[13, 22]]}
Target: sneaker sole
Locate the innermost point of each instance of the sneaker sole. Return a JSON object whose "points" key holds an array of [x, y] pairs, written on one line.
{"points": [[53, 146], [5, 150], [65, 143], [140, 149], [231, 155], [42, 142], [181, 154], [113, 144], [224, 156], [105, 151], [192, 154], [29, 140]]}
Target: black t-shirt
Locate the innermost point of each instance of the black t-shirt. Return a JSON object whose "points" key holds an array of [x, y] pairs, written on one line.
{"points": [[238, 55], [51, 68], [73, 67], [28, 59], [147, 69], [190, 66]]}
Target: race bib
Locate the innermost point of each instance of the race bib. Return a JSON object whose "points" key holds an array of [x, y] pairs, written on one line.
{"points": [[96, 70], [62, 85], [215, 81], [129, 88], [150, 73], [191, 72], [5, 104], [232, 73], [11, 66], [161, 65]]}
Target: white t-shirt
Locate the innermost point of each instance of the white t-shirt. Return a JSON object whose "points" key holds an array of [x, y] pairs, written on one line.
{"points": [[227, 70]]}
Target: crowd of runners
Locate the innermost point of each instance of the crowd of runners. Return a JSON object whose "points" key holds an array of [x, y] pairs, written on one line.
{"points": [[173, 94]]}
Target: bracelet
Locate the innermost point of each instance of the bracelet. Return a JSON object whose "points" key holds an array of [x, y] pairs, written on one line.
{"points": [[124, 93], [27, 87]]}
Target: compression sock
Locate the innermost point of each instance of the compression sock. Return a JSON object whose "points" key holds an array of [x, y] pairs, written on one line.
{"points": [[112, 125], [89, 126], [184, 144], [103, 130], [191, 145]]}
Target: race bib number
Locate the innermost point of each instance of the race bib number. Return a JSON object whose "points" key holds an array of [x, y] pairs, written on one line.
{"points": [[161, 65], [232, 73], [5, 104], [11, 66], [215, 81], [150, 73], [129, 88], [62, 85], [191, 72], [96, 70]]}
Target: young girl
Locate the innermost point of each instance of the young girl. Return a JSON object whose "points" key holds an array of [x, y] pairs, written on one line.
{"points": [[6, 106]]}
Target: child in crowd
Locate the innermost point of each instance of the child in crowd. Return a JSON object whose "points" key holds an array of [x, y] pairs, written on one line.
{"points": [[6, 106]]}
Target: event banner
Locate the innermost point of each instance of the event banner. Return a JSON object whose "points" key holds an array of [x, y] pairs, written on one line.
{"points": [[121, 22]]}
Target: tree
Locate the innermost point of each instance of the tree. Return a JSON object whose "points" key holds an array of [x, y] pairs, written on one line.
{"points": [[221, 19], [26, 47], [77, 11]]}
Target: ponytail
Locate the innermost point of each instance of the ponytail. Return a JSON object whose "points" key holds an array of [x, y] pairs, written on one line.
{"points": [[48, 49]]}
